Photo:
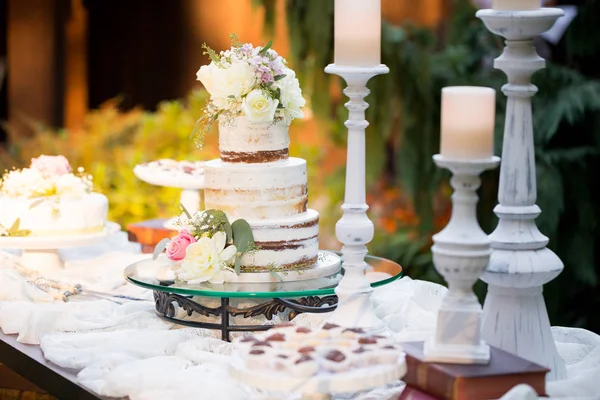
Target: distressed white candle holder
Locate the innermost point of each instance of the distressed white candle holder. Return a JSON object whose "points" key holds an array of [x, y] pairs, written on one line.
{"points": [[461, 252], [355, 230], [514, 313]]}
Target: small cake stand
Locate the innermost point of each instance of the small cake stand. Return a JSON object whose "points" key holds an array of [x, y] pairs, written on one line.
{"points": [[192, 185], [323, 385], [40, 253]]}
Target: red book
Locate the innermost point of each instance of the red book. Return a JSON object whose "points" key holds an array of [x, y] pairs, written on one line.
{"points": [[469, 382], [413, 393]]}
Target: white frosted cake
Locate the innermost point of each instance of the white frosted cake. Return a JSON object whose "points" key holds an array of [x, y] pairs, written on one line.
{"points": [[48, 199], [256, 180]]}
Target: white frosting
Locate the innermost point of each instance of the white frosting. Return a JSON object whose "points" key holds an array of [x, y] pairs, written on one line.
{"points": [[53, 216], [256, 191], [242, 136]]}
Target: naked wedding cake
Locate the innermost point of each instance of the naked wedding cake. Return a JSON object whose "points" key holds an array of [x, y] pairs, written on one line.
{"points": [[49, 199], [256, 180], [255, 184]]}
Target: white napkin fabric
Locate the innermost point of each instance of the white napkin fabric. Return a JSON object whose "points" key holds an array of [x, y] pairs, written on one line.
{"points": [[153, 364], [30, 320]]}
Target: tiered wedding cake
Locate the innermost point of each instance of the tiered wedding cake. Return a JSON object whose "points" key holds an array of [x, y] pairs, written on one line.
{"points": [[255, 184], [48, 199], [257, 181]]}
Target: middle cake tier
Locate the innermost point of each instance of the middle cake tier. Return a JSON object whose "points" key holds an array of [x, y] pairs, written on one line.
{"points": [[256, 191]]}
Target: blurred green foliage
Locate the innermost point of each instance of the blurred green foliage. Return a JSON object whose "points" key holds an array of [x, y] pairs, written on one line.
{"points": [[111, 142], [404, 114]]}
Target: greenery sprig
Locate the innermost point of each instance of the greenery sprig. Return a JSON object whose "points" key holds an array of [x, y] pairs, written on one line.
{"points": [[14, 230], [207, 223]]}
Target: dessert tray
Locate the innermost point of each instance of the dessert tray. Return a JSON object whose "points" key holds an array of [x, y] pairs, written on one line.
{"points": [[183, 303], [321, 386], [186, 175], [40, 253], [317, 362], [172, 173]]}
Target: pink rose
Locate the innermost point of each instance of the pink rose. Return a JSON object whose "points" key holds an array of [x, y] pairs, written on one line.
{"points": [[176, 248], [51, 165]]}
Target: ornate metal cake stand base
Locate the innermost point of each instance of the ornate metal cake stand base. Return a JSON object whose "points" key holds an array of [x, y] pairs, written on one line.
{"points": [[168, 303]]}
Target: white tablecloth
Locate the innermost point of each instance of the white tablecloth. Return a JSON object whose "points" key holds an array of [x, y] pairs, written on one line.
{"points": [[125, 350]]}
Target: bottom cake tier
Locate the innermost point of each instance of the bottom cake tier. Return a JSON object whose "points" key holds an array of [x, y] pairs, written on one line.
{"points": [[54, 216], [284, 244]]}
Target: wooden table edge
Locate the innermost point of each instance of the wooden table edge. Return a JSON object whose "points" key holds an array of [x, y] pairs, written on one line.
{"points": [[28, 361]]}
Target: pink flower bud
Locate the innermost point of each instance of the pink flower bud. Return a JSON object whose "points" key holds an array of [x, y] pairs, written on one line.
{"points": [[51, 165], [176, 248]]}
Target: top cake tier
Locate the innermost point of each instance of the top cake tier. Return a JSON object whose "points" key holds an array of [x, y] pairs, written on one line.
{"points": [[253, 143]]}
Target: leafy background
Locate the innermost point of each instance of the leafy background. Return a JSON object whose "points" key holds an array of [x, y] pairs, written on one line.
{"points": [[408, 195]]}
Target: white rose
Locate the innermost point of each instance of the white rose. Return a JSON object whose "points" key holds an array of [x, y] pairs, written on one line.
{"points": [[235, 79], [27, 182], [206, 74], [205, 260], [258, 107], [291, 96], [71, 185]]}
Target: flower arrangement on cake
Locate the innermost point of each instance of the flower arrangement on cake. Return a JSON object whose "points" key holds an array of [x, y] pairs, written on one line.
{"points": [[48, 198], [47, 177], [248, 81], [207, 247]]}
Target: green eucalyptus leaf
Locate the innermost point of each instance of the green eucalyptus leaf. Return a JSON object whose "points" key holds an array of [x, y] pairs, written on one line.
{"points": [[14, 227], [276, 276], [160, 247], [243, 239], [228, 231], [185, 211], [36, 203], [238, 263], [264, 50], [279, 77]]}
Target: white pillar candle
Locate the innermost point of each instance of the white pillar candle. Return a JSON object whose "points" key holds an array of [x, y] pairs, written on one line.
{"points": [[468, 115], [357, 33], [516, 5]]}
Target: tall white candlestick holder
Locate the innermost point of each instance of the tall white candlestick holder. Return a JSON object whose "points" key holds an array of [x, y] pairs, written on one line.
{"points": [[355, 230], [514, 313], [461, 252]]}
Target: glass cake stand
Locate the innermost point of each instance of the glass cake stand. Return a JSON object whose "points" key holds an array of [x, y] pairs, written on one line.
{"points": [[303, 296]]}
